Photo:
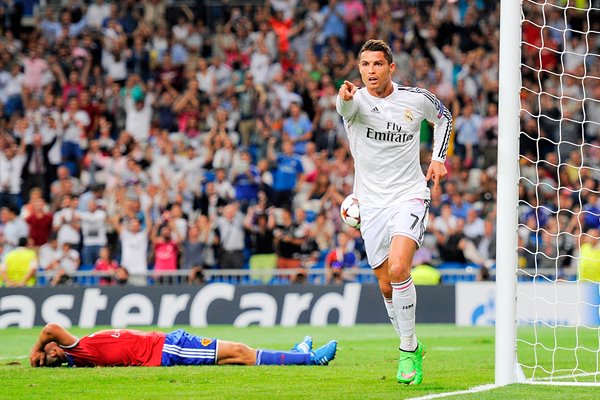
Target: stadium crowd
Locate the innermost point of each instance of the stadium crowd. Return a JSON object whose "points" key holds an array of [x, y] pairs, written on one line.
{"points": [[160, 135]]}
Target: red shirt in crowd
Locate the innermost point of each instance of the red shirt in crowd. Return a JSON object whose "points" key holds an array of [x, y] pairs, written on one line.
{"points": [[106, 266], [40, 227], [117, 348]]}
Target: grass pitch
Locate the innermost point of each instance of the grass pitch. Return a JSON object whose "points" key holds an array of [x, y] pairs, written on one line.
{"points": [[365, 367]]}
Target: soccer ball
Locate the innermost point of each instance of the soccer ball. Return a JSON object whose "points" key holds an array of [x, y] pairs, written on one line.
{"points": [[350, 211]]}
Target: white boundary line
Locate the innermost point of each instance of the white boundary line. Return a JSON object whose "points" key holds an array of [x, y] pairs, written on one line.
{"points": [[12, 358], [476, 389], [552, 378], [554, 383]]}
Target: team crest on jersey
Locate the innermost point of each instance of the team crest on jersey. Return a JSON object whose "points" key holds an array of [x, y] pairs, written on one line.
{"points": [[205, 342], [408, 115]]}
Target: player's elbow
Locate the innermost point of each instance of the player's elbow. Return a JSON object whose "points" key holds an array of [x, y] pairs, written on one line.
{"points": [[51, 329]]}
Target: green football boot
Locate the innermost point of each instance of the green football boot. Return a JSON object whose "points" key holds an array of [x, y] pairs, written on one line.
{"points": [[410, 366]]}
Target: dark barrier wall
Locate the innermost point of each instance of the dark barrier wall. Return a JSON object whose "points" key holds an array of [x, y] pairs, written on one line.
{"points": [[218, 303]]}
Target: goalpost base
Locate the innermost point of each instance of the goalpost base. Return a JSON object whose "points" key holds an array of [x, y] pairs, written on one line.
{"points": [[519, 374]]}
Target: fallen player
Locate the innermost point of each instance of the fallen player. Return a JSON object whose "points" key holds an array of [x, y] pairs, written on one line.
{"points": [[126, 347]]}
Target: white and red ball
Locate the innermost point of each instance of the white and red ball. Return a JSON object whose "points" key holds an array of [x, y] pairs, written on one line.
{"points": [[350, 211]]}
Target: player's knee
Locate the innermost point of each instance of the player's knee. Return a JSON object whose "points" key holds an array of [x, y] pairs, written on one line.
{"points": [[239, 349], [399, 271], [244, 353]]}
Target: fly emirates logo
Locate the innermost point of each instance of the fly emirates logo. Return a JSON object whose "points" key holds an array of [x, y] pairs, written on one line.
{"points": [[391, 134]]}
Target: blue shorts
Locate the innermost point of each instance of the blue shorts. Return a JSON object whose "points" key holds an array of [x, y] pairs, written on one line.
{"points": [[182, 348]]}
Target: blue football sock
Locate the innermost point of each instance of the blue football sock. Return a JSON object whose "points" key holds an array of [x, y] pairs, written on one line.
{"points": [[272, 357]]}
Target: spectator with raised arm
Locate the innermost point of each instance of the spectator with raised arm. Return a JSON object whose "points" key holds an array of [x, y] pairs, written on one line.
{"points": [[37, 169], [12, 160], [134, 247], [54, 29], [75, 122], [230, 230], [288, 174], [165, 240]]}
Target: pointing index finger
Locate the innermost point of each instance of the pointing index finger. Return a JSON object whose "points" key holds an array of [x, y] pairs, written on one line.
{"points": [[436, 181]]}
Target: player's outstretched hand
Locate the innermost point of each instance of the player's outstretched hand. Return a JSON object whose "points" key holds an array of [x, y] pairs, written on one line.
{"points": [[436, 172], [347, 91]]}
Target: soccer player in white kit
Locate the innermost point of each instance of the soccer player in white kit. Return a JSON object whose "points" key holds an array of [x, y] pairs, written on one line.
{"points": [[383, 122]]}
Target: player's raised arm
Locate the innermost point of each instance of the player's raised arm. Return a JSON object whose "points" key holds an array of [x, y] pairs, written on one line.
{"points": [[50, 333], [345, 104]]}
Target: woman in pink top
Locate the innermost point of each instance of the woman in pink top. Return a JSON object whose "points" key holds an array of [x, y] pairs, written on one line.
{"points": [[166, 251]]}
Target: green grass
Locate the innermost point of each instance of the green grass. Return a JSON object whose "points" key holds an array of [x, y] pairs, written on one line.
{"points": [[457, 359]]}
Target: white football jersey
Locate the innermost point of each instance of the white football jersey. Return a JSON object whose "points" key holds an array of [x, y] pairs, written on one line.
{"points": [[384, 137]]}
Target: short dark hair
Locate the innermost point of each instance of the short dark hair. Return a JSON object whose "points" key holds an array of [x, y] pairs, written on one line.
{"points": [[52, 362], [11, 208], [378, 45]]}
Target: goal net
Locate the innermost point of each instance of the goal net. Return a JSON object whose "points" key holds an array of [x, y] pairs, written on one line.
{"points": [[558, 239]]}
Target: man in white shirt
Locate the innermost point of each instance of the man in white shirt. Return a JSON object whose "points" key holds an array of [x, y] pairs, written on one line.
{"points": [[74, 122], [231, 237], [5, 79], [13, 227], [66, 222], [97, 12], [13, 89], [474, 226], [139, 116], [134, 249], [50, 254], [222, 74], [93, 230], [12, 161], [67, 265], [383, 124]]}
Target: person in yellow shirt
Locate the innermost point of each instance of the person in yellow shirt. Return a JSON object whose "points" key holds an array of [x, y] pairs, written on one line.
{"points": [[423, 273], [426, 275], [19, 266], [589, 257]]}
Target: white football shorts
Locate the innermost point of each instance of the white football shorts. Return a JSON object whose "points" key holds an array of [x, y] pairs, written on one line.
{"points": [[379, 225]]}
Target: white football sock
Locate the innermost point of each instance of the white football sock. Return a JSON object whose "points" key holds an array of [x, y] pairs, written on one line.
{"points": [[404, 297], [389, 306]]}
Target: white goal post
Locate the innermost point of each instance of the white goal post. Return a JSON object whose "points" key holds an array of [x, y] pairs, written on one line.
{"points": [[507, 196], [547, 320]]}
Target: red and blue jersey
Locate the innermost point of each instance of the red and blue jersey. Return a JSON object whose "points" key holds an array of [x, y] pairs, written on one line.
{"points": [[116, 348]]}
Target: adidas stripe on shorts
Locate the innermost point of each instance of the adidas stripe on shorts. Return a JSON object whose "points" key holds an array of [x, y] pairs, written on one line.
{"points": [[182, 348]]}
